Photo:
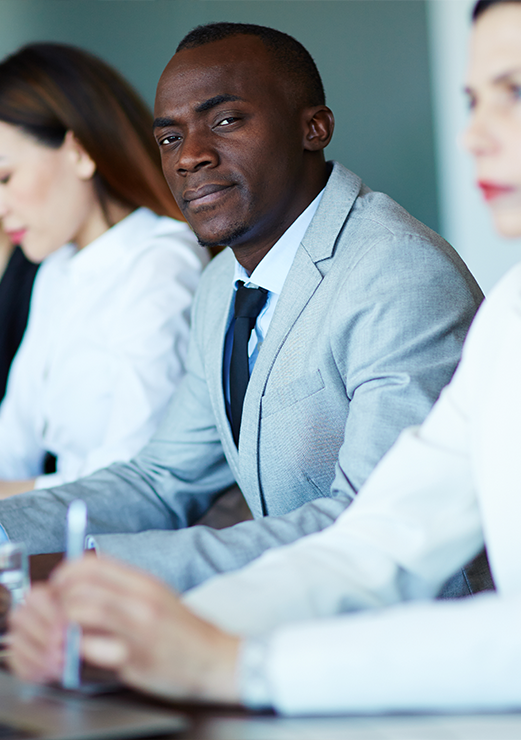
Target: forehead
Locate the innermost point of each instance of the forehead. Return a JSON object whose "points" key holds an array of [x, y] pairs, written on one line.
{"points": [[241, 66], [495, 46], [13, 142]]}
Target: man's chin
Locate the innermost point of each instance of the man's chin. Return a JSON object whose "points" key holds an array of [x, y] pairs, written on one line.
{"points": [[227, 239]]}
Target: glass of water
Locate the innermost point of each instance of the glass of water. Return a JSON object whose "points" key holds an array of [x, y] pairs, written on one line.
{"points": [[14, 571]]}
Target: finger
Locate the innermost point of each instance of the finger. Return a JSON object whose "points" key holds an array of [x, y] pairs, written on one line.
{"points": [[102, 594], [98, 608], [36, 636], [108, 572], [39, 620], [104, 651], [32, 665]]}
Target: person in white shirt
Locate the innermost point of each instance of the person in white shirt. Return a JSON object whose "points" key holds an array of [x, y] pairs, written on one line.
{"points": [[277, 633], [81, 189]]}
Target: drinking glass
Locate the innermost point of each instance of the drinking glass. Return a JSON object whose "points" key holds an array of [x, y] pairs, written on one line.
{"points": [[14, 570]]}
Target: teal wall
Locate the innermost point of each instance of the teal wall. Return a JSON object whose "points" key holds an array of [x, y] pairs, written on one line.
{"points": [[372, 55]]}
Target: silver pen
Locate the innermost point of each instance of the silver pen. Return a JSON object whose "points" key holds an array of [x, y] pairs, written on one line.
{"points": [[76, 529]]}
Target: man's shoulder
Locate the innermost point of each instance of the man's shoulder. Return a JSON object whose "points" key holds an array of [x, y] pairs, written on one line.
{"points": [[372, 210], [371, 224], [374, 239]]}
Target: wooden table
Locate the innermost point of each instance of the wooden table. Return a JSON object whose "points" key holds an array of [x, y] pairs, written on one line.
{"points": [[232, 723], [40, 566]]}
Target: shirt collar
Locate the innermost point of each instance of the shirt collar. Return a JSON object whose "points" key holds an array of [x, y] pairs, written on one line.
{"points": [[273, 269]]}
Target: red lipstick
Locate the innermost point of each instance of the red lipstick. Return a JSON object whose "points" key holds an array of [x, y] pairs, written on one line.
{"points": [[492, 190], [16, 236]]}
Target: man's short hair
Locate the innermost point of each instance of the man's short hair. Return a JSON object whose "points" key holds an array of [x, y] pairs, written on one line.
{"points": [[295, 62]]}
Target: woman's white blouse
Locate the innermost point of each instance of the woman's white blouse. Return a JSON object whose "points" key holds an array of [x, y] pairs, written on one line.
{"points": [[104, 349]]}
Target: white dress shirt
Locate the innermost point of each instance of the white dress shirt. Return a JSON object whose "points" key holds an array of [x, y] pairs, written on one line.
{"points": [[443, 490], [104, 349]]}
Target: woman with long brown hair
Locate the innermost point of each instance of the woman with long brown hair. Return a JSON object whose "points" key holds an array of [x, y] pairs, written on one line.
{"points": [[81, 190]]}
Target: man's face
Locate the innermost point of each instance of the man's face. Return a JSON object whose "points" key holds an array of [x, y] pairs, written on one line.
{"points": [[231, 143]]}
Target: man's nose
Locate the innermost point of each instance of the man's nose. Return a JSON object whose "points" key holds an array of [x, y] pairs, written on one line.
{"points": [[196, 152]]}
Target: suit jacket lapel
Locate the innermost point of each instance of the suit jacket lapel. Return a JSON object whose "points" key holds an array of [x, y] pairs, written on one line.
{"points": [[301, 283], [311, 263], [214, 349]]}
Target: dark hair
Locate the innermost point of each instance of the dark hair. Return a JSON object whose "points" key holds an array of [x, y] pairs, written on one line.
{"points": [[294, 61], [482, 5], [49, 89]]}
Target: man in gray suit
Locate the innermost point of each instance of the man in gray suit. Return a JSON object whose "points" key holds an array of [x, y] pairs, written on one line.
{"points": [[366, 308]]}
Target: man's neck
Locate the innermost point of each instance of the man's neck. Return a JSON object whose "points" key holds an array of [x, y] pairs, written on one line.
{"points": [[251, 251]]}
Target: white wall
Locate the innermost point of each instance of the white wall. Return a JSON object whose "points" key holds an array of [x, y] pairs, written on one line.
{"points": [[464, 219]]}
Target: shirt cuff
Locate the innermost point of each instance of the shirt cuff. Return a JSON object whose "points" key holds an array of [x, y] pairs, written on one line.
{"points": [[48, 481], [252, 671]]}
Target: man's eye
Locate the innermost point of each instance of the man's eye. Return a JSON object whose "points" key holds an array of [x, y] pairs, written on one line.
{"points": [[226, 121], [4, 180], [166, 140]]}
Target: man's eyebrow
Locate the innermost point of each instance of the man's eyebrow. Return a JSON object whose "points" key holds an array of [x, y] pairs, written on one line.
{"points": [[163, 122], [201, 108], [216, 100]]}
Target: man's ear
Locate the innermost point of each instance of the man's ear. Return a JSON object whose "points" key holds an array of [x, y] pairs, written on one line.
{"points": [[318, 123], [84, 166]]}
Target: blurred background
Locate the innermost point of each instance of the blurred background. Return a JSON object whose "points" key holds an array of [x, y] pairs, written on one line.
{"points": [[393, 72]]}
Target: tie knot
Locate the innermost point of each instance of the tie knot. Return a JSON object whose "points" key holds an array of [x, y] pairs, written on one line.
{"points": [[249, 302]]}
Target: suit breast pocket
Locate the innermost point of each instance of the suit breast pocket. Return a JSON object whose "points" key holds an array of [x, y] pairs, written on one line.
{"points": [[282, 397]]}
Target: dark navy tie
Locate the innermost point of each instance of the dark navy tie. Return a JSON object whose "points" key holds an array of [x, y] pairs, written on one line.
{"points": [[249, 302]]}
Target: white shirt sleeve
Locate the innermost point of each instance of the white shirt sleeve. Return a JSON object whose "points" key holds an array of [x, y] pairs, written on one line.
{"points": [[451, 655]]}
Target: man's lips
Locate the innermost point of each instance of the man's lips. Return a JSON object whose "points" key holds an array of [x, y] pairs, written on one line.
{"points": [[205, 194], [493, 190]]}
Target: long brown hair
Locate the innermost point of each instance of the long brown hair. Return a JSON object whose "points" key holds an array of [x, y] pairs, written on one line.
{"points": [[48, 89]]}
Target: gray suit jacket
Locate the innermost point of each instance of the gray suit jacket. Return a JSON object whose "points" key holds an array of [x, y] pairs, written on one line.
{"points": [[366, 332]]}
